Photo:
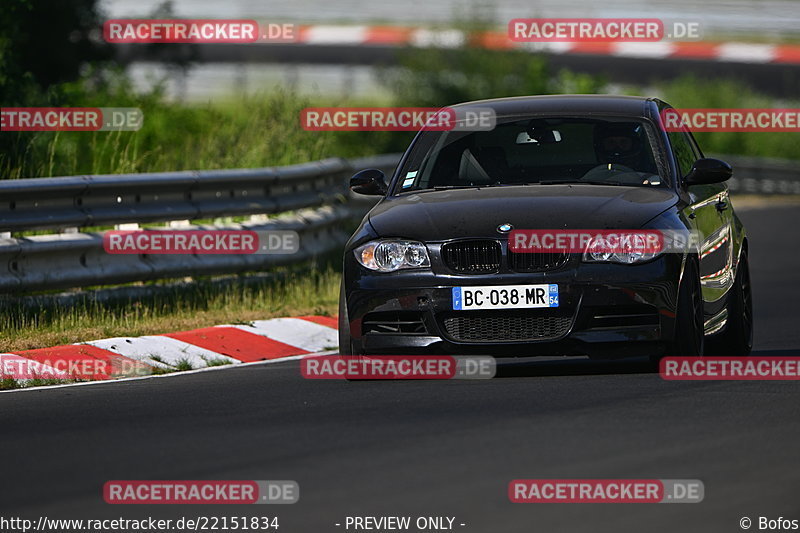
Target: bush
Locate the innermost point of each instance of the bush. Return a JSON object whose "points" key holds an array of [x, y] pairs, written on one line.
{"points": [[43, 44], [692, 92], [439, 77]]}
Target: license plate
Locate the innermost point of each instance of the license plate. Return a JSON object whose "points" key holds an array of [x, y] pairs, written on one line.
{"points": [[505, 297]]}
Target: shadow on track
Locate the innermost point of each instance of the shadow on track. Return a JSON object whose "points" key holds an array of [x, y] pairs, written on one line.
{"points": [[776, 353], [572, 366], [583, 366]]}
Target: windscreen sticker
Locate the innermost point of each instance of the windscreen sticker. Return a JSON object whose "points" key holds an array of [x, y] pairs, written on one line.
{"points": [[409, 179]]}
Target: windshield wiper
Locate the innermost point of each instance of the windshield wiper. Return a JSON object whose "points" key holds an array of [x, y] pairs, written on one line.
{"points": [[448, 187], [579, 182], [495, 184], [544, 182]]}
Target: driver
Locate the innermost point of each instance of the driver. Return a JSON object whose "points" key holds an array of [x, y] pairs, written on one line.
{"points": [[619, 144]]}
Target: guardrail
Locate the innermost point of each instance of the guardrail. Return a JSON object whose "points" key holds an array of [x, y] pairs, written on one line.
{"points": [[58, 203], [311, 199], [755, 175]]}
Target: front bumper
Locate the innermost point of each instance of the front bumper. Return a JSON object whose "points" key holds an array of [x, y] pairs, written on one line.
{"points": [[606, 310]]}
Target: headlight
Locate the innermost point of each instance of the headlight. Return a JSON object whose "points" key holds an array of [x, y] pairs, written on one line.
{"points": [[391, 255], [627, 248]]}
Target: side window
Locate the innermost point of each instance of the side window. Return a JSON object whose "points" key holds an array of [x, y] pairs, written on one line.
{"points": [[698, 153], [684, 152]]}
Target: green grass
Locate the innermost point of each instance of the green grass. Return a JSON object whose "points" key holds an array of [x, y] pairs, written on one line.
{"points": [[216, 361], [183, 365], [7, 383], [252, 131]]}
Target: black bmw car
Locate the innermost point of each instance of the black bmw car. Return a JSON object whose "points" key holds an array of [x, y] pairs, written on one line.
{"points": [[431, 270]]}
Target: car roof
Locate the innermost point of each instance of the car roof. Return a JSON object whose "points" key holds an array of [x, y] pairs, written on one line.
{"points": [[634, 106]]}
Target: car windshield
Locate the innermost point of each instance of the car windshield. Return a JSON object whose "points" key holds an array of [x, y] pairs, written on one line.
{"points": [[543, 150]]}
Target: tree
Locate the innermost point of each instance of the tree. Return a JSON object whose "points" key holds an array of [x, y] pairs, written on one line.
{"points": [[44, 43]]}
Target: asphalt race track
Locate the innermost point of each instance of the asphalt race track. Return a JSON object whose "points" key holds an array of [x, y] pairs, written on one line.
{"points": [[434, 448]]}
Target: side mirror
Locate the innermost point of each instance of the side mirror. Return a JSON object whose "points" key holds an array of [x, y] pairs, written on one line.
{"points": [[708, 170], [370, 181]]}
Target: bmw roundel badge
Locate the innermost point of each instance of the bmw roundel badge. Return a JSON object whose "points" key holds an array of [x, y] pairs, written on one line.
{"points": [[504, 228]]}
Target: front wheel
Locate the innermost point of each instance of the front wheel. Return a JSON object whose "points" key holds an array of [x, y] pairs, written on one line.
{"points": [[345, 341], [346, 350], [736, 340], [689, 340]]}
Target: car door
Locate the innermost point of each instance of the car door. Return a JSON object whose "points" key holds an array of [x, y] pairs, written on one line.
{"points": [[720, 248], [710, 213]]}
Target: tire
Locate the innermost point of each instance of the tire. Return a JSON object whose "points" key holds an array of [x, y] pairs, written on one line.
{"points": [[736, 340], [345, 341], [689, 338]]}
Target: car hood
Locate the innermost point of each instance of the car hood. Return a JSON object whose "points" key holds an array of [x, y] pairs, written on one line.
{"points": [[456, 213]]}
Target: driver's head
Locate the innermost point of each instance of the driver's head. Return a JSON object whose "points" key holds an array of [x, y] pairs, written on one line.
{"points": [[618, 143]]}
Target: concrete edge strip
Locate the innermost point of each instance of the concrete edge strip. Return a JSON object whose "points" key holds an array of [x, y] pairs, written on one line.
{"points": [[171, 375], [276, 339]]}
